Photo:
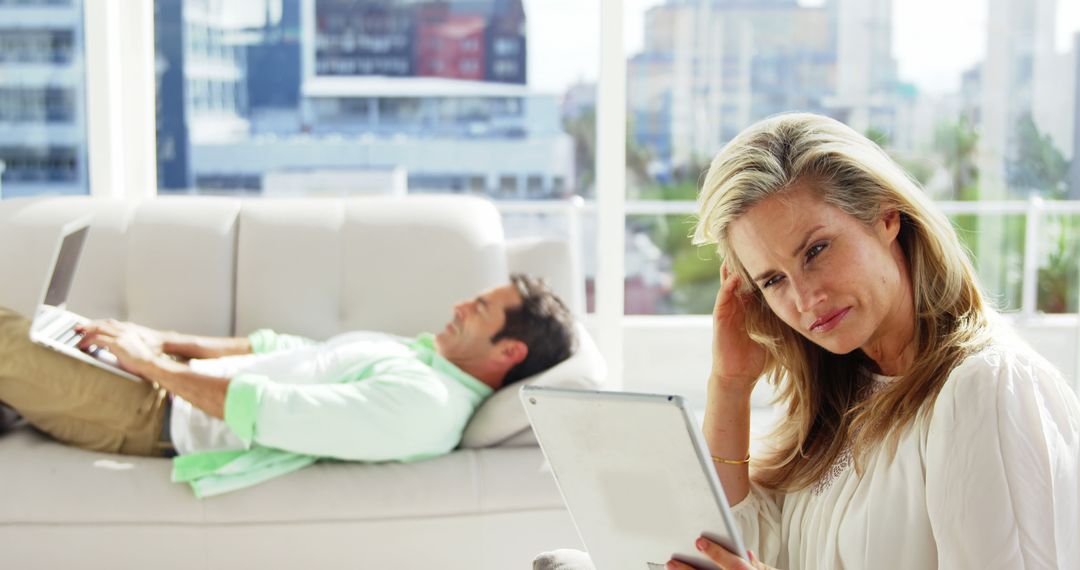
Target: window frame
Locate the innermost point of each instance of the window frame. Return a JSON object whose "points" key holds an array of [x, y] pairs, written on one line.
{"points": [[121, 143]]}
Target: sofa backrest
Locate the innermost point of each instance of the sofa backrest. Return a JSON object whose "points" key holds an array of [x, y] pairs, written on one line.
{"points": [[314, 267], [319, 267]]}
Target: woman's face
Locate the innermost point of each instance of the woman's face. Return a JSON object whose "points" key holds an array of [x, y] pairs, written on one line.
{"points": [[836, 281]]}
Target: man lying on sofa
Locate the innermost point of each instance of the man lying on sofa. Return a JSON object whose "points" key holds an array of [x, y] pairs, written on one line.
{"points": [[268, 404]]}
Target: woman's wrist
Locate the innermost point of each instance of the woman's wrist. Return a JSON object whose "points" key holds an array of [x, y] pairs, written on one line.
{"points": [[735, 389]]}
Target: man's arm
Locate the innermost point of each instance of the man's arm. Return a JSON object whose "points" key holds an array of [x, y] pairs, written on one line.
{"points": [[173, 343], [206, 393], [139, 357], [191, 346]]}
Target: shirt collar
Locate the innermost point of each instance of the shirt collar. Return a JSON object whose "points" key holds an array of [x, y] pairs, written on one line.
{"points": [[424, 347]]}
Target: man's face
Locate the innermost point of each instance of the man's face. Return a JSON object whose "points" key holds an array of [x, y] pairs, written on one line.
{"points": [[468, 336]]}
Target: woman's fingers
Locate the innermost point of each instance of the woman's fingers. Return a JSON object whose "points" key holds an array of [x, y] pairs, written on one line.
{"points": [[721, 555]]}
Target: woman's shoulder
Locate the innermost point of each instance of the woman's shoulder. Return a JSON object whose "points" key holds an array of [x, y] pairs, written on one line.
{"points": [[1006, 352], [1005, 363]]}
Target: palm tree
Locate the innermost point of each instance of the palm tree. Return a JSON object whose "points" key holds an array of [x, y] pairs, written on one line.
{"points": [[957, 143]]}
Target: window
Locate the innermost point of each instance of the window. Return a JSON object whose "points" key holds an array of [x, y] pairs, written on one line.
{"points": [[42, 99], [508, 186], [534, 186], [505, 46], [974, 126]]}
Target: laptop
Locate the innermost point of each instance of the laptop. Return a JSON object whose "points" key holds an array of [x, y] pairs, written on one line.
{"points": [[54, 326], [635, 474]]}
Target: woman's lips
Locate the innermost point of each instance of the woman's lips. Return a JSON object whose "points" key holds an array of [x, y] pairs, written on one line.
{"points": [[829, 322]]}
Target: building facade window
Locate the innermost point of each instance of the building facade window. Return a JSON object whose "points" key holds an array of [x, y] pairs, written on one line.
{"points": [[42, 98]]}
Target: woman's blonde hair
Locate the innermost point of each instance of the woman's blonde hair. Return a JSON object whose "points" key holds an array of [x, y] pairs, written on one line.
{"points": [[827, 395]]}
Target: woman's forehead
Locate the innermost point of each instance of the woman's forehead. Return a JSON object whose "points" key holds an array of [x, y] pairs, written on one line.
{"points": [[777, 226], [784, 213]]}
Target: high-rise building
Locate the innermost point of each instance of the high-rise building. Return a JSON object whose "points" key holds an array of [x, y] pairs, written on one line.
{"points": [[1074, 184], [866, 72], [1053, 85], [431, 89], [364, 37], [202, 93], [710, 68], [1017, 36], [451, 47], [42, 98], [273, 61], [455, 39]]}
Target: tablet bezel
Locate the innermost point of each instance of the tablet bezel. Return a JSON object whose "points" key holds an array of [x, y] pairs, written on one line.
{"points": [[682, 547]]}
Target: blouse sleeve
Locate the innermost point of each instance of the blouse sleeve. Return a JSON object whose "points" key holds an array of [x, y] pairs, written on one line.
{"points": [[758, 519], [1003, 466]]}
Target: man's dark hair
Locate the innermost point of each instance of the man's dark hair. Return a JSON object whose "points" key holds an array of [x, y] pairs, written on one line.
{"points": [[543, 323]]}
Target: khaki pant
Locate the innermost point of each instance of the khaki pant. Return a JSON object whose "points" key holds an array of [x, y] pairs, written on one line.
{"points": [[74, 402]]}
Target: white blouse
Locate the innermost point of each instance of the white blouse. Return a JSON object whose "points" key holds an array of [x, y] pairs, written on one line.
{"points": [[989, 479]]}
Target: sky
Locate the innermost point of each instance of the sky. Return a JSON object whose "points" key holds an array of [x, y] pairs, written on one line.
{"points": [[564, 42]]}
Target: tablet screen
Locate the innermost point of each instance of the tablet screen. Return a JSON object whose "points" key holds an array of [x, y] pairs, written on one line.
{"points": [[634, 473]]}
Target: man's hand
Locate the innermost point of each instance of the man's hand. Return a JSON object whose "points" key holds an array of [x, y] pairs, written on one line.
{"points": [[138, 349], [721, 556], [128, 342]]}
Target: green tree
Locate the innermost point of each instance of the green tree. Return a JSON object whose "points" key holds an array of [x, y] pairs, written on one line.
{"points": [[1037, 164], [957, 143], [879, 136], [1058, 286], [695, 270], [582, 129]]}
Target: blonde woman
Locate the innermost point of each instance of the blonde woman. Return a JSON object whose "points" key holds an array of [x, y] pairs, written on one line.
{"points": [[919, 432]]}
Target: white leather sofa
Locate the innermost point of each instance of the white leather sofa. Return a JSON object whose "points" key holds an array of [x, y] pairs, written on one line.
{"points": [[313, 267]]}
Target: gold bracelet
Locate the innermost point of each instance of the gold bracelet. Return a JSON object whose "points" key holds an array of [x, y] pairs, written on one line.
{"points": [[731, 461]]}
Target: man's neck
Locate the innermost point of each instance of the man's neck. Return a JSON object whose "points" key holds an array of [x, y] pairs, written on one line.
{"points": [[482, 371]]}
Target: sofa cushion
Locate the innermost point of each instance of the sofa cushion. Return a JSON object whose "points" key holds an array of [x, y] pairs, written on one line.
{"points": [[44, 482], [501, 418], [397, 265]]}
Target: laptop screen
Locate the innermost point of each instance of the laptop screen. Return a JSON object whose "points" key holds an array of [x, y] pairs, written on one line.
{"points": [[64, 270]]}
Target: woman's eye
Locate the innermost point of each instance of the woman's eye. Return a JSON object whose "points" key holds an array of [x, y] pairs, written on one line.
{"points": [[772, 281], [815, 250]]}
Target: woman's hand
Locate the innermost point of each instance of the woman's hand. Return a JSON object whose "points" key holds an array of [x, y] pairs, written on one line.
{"points": [[737, 361], [722, 557]]}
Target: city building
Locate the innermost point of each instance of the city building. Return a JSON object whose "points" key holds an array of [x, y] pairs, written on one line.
{"points": [[202, 91], [1017, 32], [446, 134], [1074, 184], [866, 73], [451, 47], [42, 98], [709, 69], [273, 61], [435, 89]]}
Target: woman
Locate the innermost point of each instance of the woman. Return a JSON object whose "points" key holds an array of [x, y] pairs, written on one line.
{"points": [[920, 433]]}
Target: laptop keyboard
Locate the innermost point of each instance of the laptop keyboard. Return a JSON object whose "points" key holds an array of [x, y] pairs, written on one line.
{"points": [[59, 326], [70, 338]]}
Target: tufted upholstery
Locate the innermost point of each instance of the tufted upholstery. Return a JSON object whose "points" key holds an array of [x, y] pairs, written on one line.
{"points": [[221, 266]]}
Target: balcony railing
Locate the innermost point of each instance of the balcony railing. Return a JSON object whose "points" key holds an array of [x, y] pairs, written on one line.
{"points": [[1034, 211]]}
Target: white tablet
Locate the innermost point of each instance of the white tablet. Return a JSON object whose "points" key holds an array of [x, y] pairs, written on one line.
{"points": [[634, 471]]}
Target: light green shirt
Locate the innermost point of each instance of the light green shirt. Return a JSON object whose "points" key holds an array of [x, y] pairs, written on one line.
{"points": [[380, 398]]}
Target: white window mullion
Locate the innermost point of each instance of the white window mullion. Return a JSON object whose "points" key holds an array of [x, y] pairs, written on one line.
{"points": [[611, 187], [120, 92]]}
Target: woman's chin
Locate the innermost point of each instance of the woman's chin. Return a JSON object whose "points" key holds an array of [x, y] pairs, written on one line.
{"points": [[838, 345]]}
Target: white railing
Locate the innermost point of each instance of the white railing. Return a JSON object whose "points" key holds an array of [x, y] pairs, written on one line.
{"points": [[1033, 209]]}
